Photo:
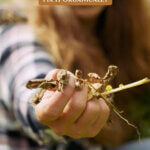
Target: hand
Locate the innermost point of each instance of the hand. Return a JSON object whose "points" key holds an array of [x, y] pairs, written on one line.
{"points": [[69, 113]]}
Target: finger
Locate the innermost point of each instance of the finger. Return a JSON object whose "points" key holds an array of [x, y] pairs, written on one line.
{"points": [[101, 120], [52, 74], [73, 109], [52, 107], [89, 116]]}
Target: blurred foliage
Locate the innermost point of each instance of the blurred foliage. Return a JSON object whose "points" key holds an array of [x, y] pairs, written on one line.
{"points": [[140, 113]]}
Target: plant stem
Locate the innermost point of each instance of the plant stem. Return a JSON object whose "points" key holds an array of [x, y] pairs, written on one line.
{"points": [[131, 85]]}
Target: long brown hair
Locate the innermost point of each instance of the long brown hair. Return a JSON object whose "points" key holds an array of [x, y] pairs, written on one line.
{"points": [[59, 29], [122, 32], [125, 38]]}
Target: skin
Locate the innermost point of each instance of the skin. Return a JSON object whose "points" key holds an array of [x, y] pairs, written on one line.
{"points": [[68, 112], [88, 18], [88, 12]]}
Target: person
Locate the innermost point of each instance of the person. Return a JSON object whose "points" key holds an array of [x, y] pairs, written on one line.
{"points": [[70, 37]]}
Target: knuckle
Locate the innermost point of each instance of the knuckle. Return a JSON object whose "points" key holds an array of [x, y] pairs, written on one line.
{"points": [[75, 133], [49, 114], [58, 131], [92, 134], [52, 115], [45, 114], [71, 80], [71, 84], [93, 107], [97, 109], [39, 115], [39, 118], [76, 106], [66, 93]]}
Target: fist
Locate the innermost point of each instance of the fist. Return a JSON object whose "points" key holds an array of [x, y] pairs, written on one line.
{"points": [[69, 112]]}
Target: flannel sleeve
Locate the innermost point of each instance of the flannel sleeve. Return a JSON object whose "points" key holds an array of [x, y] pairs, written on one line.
{"points": [[22, 58]]}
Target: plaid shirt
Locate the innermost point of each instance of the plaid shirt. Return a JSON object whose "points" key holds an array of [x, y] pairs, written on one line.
{"points": [[23, 58]]}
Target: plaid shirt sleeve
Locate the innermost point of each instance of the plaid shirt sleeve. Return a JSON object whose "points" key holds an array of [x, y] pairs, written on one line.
{"points": [[22, 58]]}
